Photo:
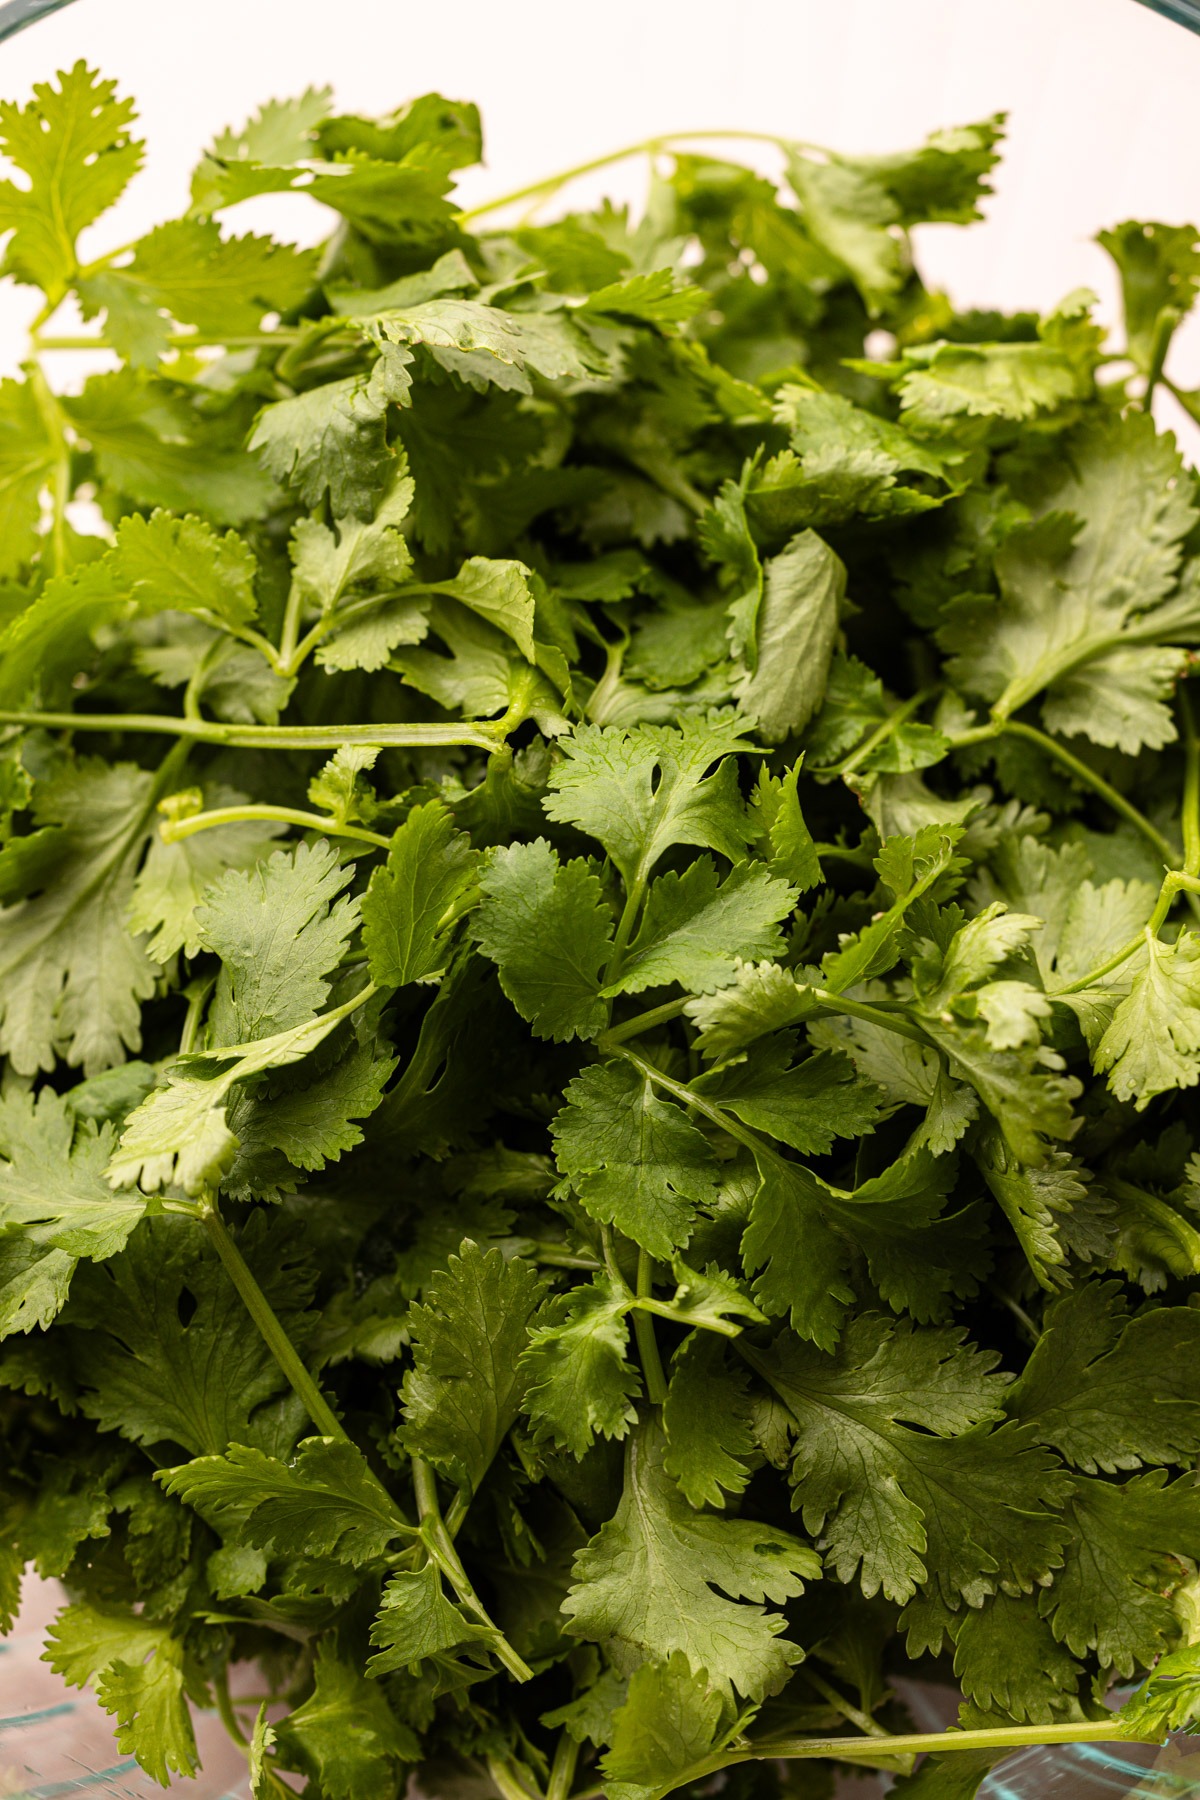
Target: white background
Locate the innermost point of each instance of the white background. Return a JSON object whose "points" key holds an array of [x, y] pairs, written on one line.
{"points": [[1102, 97]]}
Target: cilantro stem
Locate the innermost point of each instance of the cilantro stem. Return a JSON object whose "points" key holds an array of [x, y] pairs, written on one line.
{"points": [[173, 830], [852, 1714], [716, 1115], [625, 925], [225, 1707], [440, 1548], [1164, 330], [51, 415], [1175, 881], [506, 1781], [874, 1015], [999, 1737], [882, 732], [1191, 785], [421, 736], [651, 146], [176, 340], [562, 1769], [643, 1331], [272, 1332], [1089, 778], [644, 1021]]}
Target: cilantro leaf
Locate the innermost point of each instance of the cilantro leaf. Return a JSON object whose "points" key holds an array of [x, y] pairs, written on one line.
{"points": [[345, 1734], [323, 1502], [647, 1584], [784, 678], [638, 792], [413, 903], [206, 1383], [139, 1673], [580, 1381], [634, 1160], [1083, 1389], [73, 146], [546, 927], [464, 1390], [73, 977], [707, 1420], [951, 1503], [693, 930]]}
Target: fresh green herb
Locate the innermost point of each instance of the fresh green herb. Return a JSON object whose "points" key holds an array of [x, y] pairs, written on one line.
{"points": [[598, 971]]}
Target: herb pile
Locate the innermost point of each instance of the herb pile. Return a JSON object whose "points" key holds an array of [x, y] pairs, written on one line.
{"points": [[598, 970]]}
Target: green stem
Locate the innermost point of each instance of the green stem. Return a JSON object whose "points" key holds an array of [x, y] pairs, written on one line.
{"points": [[440, 1546], [851, 853], [1191, 785], [643, 1331], [1164, 330], [555, 1257], [272, 1332], [650, 146], [176, 340], [999, 1737], [645, 1021], [290, 629], [197, 995], [852, 1714], [506, 1781], [54, 425], [1172, 883], [562, 1769], [173, 830], [874, 1015], [716, 1115], [1089, 778], [625, 925], [267, 737], [225, 1708], [884, 730]]}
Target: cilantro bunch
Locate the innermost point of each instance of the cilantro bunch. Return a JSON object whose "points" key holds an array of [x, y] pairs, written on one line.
{"points": [[599, 972]]}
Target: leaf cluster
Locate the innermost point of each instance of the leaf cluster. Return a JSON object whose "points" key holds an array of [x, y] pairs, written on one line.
{"points": [[599, 983]]}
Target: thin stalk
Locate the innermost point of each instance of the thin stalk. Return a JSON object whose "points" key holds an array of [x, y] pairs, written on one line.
{"points": [[882, 732], [716, 1115], [555, 1257], [1164, 331], [1089, 778], [172, 831], [506, 1781], [51, 416], [1191, 785], [650, 146], [999, 1737], [851, 853], [852, 1714], [562, 1769], [440, 1546], [290, 629], [663, 1309], [1172, 883], [1028, 1329], [267, 737], [228, 1717], [644, 1021], [197, 998], [643, 1331], [176, 340], [625, 925], [271, 1331], [874, 1015]]}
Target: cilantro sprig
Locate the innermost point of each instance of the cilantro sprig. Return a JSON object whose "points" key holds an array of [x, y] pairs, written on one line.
{"points": [[638, 1181]]}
